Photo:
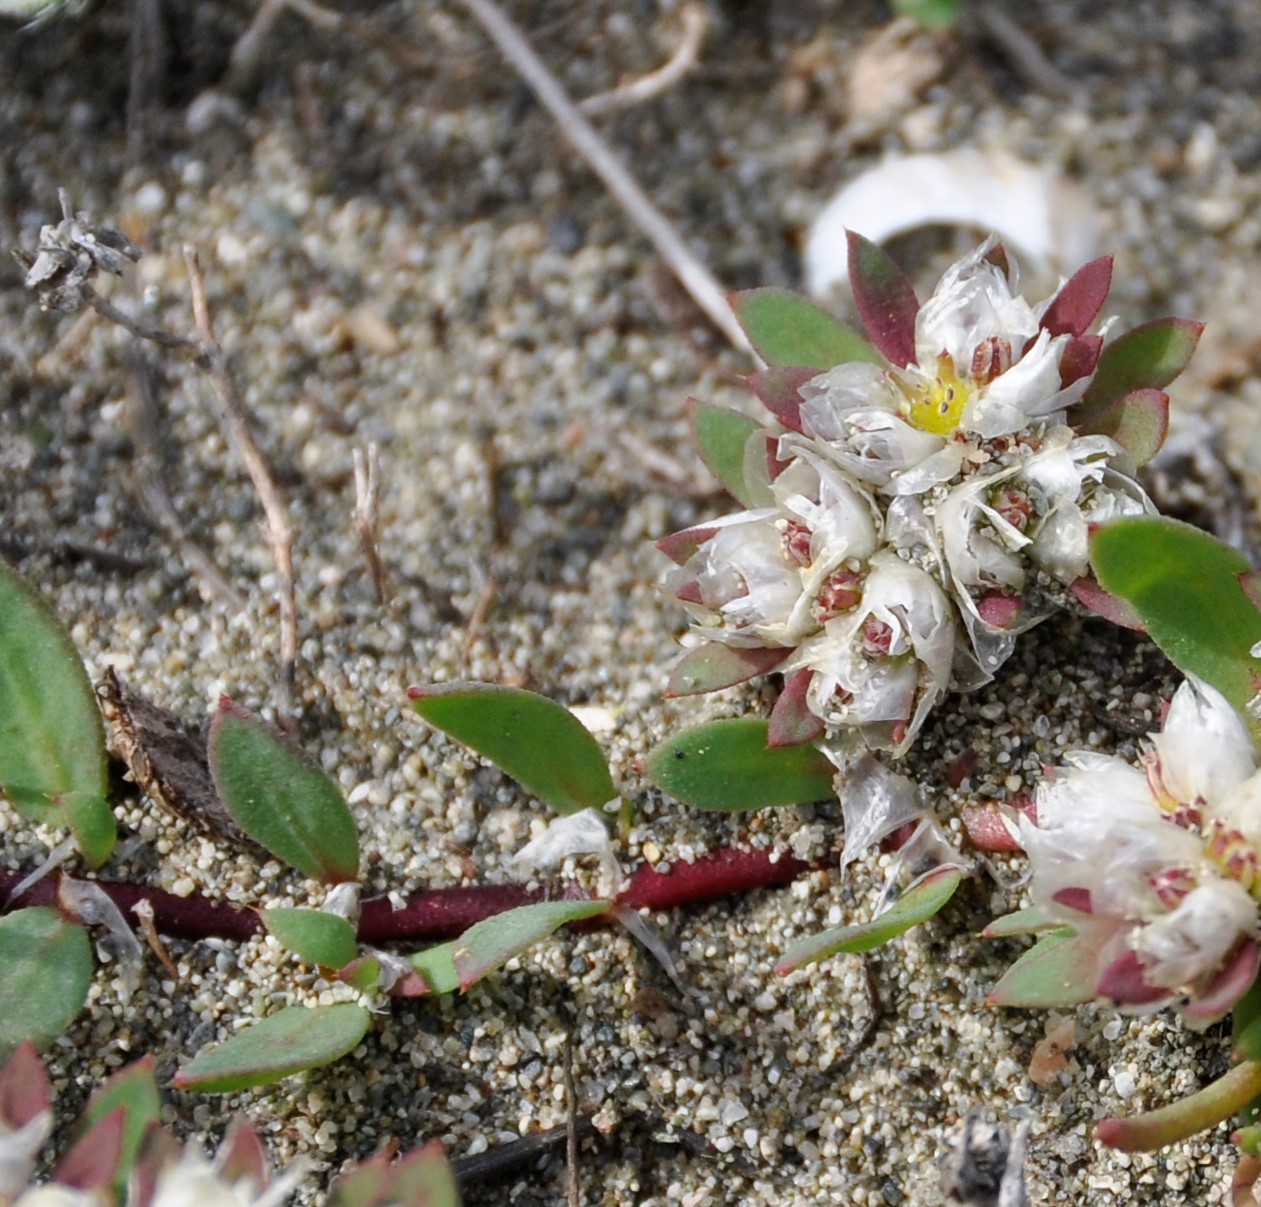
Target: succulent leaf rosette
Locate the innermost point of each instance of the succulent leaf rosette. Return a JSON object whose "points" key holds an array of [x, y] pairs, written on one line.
{"points": [[925, 496], [1155, 871]]}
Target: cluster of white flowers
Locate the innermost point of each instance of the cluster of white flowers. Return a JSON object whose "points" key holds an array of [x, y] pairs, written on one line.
{"points": [[913, 518], [1157, 869]]}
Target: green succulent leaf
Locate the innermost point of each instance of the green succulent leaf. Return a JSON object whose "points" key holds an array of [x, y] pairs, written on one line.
{"points": [[492, 943], [1148, 356], [283, 802], [714, 665], [53, 765], [422, 1178], [1027, 921], [1214, 1104], [293, 1040], [135, 1091], [536, 741], [312, 935], [727, 766], [788, 329], [916, 905], [721, 436], [1185, 586], [437, 966], [47, 968], [1058, 970]]}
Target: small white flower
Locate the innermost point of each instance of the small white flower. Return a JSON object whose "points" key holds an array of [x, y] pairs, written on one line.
{"points": [[195, 1181], [19, 1150], [1161, 861]]}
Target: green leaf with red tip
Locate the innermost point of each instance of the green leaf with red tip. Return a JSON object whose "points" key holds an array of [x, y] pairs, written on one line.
{"points": [[291, 1041], [242, 1155], [536, 741], [779, 390], [727, 766], [134, 1091], [53, 765], [492, 943], [1148, 356], [713, 666], [1058, 970], [721, 436], [1214, 1104], [932, 15], [1080, 299], [1022, 922], [437, 966], [47, 968], [362, 973], [788, 329], [283, 802], [916, 905], [1139, 423], [1185, 586], [326, 940], [885, 299]]}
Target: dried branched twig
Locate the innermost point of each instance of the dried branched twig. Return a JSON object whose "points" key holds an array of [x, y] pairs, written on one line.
{"points": [[279, 529], [367, 513], [655, 83]]}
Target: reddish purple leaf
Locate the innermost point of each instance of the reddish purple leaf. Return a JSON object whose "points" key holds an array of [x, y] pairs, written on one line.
{"points": [[1079, 301], [93, 1160], [25, 1090], [987, 830], [242, 1156], [1102, 603], [1228, 986], [713, 666], [885, 299], [998, 610], [1075, 897], [1139, 423], [680, 546], [1080, 358], [690, 592], [1123, 982], [791, 721], [779, 391]]}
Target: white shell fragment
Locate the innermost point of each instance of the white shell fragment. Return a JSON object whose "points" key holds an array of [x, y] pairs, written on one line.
{"points": [[1044, 220]]}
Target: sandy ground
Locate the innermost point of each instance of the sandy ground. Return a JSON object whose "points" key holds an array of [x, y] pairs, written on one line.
{"points": [[400, 250]]}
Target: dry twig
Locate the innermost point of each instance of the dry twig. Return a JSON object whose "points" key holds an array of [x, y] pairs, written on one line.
{"points": [[655, 83], [279, 529], [1024, 54], [708, 294], [367, 513]]}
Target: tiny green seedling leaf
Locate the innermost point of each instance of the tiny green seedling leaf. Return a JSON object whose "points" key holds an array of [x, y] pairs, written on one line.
{"points": [[721, 436], [915, 906], [1185, 586], [1058, 970], [312, 935], [536, 741], [291, 1041], [930, 14], [437, 966], [492, 943], [135, 1092], [47, 968], [53, 765], [1150, 355], [280, 800], [727, 766], [787, 329]]}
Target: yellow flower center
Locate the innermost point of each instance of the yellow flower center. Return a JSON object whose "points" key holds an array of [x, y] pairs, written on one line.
{"points": [[936, 405]]}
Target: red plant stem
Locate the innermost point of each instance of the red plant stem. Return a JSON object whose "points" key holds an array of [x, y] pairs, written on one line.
{"points": [[440, 913]]}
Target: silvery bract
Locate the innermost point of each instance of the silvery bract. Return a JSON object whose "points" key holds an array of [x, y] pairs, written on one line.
{"points": [[914, 515], [1156, 868]]}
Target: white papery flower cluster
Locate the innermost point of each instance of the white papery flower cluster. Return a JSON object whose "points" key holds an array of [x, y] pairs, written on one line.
{"points": [[1157, 869], [914, 518]]}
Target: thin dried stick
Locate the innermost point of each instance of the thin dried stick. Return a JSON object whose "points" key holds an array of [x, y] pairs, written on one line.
{"points": [[367, 513], [1024, 54], [655, 83], [165, 339], [279, 529], [708, 294]]}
